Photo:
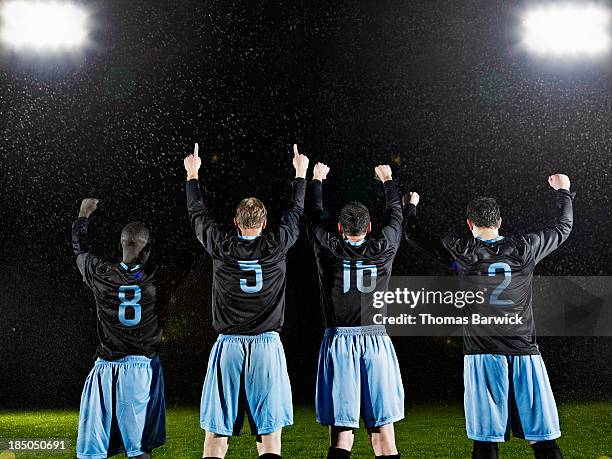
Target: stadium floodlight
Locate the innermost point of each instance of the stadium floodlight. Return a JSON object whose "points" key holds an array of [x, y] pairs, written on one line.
{"points": [[567, 29], [43, 25]]}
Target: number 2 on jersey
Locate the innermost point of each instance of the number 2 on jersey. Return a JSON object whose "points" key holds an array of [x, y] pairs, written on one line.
{"points": [[129, 303], [361, 269], [251, 265], [504, 284]]}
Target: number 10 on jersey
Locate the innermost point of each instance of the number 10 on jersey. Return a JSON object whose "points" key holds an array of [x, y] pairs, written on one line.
{"points": [[361, 269]]}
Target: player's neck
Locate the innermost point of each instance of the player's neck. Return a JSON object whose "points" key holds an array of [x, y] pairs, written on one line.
{"points": [[355, 238], [486, 233], [250, 232], [129, 260]]}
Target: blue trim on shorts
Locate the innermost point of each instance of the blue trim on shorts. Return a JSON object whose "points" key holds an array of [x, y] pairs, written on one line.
{"points": [[371, 330], [266, 336], [126, 359]]}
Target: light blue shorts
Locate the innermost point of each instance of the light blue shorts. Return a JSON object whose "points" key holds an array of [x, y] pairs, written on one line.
{"points": [[508, 392], [246, 374], [122, 408], [358, 368]]}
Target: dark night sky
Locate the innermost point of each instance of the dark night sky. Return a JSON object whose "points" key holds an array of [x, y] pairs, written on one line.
{"points": [[438, 89]]}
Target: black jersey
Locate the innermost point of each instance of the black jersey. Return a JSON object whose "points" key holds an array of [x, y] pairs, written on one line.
{"points": [[126, 301], [349, 274], [504, 266], [248, 294]]}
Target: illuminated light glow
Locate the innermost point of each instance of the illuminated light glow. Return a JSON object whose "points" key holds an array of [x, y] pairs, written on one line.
{"points": [[43, 26], [567, 30]]}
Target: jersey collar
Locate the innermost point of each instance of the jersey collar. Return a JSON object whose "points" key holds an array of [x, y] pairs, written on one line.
{"points": [[127, 268], [490, 241], [355, 243], [248, 238]]}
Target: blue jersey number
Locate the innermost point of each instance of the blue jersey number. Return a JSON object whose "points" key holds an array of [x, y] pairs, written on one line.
{"points": [[361, 270], [504, 284], [251, 265], [129, 303]]}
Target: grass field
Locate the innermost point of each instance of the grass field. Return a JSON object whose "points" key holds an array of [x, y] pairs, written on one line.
{"points": [[427, 432]]}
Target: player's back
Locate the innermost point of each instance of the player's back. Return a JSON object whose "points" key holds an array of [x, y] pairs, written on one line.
{"points": [[503, 266], [248, 295], [249, 277], [126, 305], [503, 269], [349, 274], [351, 271]]}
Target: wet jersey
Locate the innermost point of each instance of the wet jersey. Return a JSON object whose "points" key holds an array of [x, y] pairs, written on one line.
{"points": [[248, 291], [350, 273], [126, 301], [504, 266]]}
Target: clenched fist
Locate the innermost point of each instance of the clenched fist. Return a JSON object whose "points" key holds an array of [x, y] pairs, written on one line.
{"points": [[320, 172], [88, 207], [412, 197], [383, 172], [559, 182]]}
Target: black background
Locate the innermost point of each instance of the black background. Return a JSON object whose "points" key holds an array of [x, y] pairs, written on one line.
{"points": [[440, 90]]}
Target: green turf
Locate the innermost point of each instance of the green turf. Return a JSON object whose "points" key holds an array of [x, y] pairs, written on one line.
{"points": [[428, 431]]}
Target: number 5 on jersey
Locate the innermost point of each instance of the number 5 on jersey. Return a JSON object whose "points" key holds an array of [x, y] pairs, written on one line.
{"points": [[251, 265]]}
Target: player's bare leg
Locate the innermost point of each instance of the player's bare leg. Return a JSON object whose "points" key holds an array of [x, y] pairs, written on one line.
{"points": [[269, 444], [215, 445], [340, 441], [383, 441]]}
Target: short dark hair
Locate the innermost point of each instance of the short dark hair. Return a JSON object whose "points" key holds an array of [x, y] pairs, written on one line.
{"points": [[484, 212], [135, 233], [354, 218]]}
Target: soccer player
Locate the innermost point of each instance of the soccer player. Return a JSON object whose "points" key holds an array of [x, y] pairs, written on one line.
{"points": [[247, 370], [506, 384], [358, 367], [122, 405]]}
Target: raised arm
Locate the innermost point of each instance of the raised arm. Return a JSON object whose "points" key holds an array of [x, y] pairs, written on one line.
{"points": [[289, 229], [543, 242], [392, 224], [431, 247], [86, 262], [206, 229], [315, 214]]}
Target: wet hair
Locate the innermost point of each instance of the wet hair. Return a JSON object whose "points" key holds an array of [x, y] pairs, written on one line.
{"points": [[135, 241], [484, 212], [250, 213], [354, 218]]}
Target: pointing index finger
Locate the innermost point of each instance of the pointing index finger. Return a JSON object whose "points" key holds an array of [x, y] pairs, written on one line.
{"points": [[195, 150], [295, 150]]}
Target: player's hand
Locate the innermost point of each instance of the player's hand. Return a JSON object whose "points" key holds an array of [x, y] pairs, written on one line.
{"points": [[320, 172], [192, 164], [88, 207], [412, 197], [559, 182], [300, 162], [383, 172]]}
